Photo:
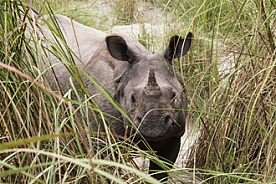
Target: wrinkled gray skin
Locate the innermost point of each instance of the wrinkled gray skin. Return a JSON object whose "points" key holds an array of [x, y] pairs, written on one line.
{"points": [[144, 84]]}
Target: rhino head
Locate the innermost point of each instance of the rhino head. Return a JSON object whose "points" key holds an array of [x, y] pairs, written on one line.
{"points": [[149, 89]]}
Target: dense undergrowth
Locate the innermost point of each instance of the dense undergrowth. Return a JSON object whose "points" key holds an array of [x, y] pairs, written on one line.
{"points": [[43, 141]]}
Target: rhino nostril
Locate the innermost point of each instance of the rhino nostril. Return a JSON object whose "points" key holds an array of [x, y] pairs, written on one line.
{"points": [[168, 121], [137, 122]]}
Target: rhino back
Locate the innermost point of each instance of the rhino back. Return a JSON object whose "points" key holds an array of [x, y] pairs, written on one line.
{"points": [[83, 41]]}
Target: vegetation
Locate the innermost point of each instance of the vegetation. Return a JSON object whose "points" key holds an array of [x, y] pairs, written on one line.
{"points": [[43, 141]]}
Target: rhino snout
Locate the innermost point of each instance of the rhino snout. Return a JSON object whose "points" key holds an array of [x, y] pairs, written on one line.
{"points": [[153, 128]]}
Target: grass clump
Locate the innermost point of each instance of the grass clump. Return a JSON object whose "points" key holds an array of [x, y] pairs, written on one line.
{"points": [[235, 107], [125, 11]]}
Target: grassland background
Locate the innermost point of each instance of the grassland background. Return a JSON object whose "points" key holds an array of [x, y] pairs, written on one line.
{"points": [[229, 74]]}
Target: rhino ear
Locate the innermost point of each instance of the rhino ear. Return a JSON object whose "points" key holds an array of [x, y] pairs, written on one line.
{"points": [[117, 47], [178, 46]]}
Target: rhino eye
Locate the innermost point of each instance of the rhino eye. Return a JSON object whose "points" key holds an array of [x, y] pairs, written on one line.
{"points": [[133, 99]]}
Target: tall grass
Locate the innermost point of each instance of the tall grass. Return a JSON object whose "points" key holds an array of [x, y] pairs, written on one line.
{"points": [[43, 141], [236, 109]]}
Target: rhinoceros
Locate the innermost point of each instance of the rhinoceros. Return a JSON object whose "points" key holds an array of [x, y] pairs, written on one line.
{"points": [[145, 85]]}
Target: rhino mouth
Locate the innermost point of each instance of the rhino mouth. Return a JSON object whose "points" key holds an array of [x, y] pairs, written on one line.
{"points": [[154, 129]]}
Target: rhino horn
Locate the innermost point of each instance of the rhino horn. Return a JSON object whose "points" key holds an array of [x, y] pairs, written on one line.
{"points": [[152, 88]]}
